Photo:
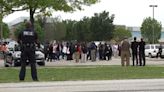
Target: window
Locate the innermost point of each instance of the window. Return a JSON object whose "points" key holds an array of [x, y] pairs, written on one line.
{"points": [[152, 47], [157, 47], [147, 47]]}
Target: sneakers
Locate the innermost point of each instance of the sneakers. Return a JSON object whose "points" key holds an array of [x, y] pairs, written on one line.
{"points": [[35, 80], [21, 80]]}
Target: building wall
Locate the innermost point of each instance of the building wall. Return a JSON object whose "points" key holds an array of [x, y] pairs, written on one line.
{"points": [[137, 33]]}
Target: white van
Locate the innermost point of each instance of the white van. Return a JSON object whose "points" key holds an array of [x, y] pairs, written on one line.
{"points": [[151, 50]]}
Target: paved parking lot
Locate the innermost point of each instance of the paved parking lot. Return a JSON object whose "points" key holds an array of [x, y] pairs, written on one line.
{"points": [[114, 61]]}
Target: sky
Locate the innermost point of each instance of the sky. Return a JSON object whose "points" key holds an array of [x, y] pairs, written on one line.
{"points": [[127, 12]]}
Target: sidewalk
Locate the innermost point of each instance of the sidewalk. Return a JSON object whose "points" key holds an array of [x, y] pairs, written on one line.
{"points": [[114, 61], [136, 85]]}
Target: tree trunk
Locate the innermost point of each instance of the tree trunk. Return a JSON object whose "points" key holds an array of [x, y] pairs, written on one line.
{"points": [[32, 17]]}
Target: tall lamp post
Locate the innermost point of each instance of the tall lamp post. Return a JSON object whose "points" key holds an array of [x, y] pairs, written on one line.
{"points": [[1, 22], [153, 6]]}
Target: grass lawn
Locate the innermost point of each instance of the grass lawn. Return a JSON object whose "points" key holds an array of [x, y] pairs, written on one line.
{"points": [[84, 73]]}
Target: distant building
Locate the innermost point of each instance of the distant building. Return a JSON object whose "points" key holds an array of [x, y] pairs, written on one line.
{"points": [[17, 21], [136, 32]]}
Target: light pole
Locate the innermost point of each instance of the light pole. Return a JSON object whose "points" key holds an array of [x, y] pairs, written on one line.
{"points": [[1, 32], [153, 19]]}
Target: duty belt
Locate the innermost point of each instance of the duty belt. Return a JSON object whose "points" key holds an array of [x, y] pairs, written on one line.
{"points": [[28, 45]]}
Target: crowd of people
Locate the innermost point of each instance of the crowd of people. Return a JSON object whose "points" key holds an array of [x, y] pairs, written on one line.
{"points": [[83, 51], [80, 52]]}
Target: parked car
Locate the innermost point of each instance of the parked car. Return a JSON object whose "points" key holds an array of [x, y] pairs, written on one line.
{"points": [[12, 57], [151, 50], [11, 44]]}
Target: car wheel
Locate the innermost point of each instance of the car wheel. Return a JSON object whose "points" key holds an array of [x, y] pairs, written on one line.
{"points": [[8, 61], [41, 63], [6, 65], [150, 56], [162, 56], [16, 63]]}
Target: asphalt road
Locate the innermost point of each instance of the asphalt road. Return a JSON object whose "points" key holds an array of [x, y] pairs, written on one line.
{"points": [[142, 85], [114, 61]]}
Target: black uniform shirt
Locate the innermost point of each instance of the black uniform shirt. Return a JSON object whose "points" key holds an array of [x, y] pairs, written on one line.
{"points": [[28, 36], [142, 46], [134, 46]]}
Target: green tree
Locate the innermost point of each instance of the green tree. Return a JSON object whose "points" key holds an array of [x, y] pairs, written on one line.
{"points": [[46, 6], [52, 27], [70, 30], [59, 29], [120, 33], [151, 30], [102, 26], [41, 19], [83, 30], [99, 27], [6, 31], [78, 30], [86, 27], [39, 31]]}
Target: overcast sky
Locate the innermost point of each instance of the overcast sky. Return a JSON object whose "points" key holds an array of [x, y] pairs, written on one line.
{"points": [[127, 12]]}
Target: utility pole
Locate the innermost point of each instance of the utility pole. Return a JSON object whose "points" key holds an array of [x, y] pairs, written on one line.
{"points": [[1, 22], [153, 20]]}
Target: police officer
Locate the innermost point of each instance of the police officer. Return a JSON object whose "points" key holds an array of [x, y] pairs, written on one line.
{"points": [[27, 39], [142, 52], [134, 47]]}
